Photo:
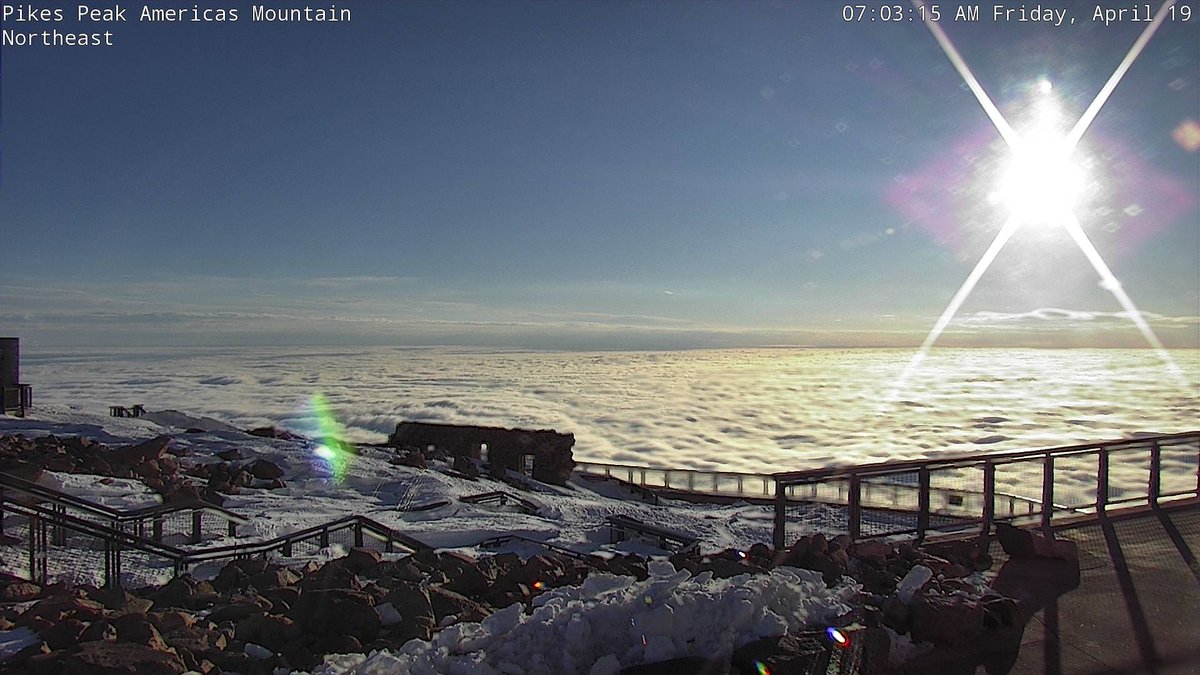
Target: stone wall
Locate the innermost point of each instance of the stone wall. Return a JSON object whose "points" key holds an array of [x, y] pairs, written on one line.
{"points": [[506, 448]]}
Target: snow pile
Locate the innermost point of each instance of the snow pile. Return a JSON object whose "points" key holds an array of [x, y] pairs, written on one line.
{"points": [[611, 622]]}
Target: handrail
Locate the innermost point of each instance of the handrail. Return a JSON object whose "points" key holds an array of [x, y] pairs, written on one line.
{"points": [[32, 489], [282, 541], [855, 482], [90, 527], [997, 457]]}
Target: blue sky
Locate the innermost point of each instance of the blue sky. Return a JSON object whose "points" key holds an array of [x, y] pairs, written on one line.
{"points": [[582, 175]]}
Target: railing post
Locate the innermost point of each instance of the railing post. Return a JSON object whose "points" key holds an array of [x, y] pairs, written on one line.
{"points": [[1102, 481], [922, 501], [854, 507], [1047, 492], [989, 504], [197, 523], [778, 537], [1155, 487], [358, 538], [691, 481], [231, 528]]}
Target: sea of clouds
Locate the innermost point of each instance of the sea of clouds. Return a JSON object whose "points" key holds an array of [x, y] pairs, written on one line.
{"points": [[734, 410]]}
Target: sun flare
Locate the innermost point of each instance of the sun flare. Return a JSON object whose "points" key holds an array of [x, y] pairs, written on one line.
{"points": [[1041, 182]]}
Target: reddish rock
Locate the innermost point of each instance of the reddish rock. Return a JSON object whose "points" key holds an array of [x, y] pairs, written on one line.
{"points": [[334, 643], [98, 630], [446, 602], [171, 621], [273, 432], [1020, 543], [109, 658], [269, 630], [59, 608], [264, 470], [359, 560], [945, 620], [64, 634], [21, 591], [269, 579], [416, 611], [333, 574], [337, 611], [463, 574], [185, 592], [784, 654], [133, 455], [138, 628]]}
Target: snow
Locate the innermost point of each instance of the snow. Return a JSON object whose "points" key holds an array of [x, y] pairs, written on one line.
{"points": [[569, 630], [611, 622], [13, 641]]}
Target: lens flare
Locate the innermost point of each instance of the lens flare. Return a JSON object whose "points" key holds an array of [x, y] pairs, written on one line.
{"points": [[762, 668], [331, 450], [838, 637]]}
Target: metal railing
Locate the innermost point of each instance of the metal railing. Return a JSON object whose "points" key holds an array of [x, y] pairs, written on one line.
{"points": [[763, 486], [185, 520], [975, 491], [726, 483], [66, 533]]}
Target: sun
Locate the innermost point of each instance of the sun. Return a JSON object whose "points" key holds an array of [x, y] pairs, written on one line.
{"points": [[1041, 183]]}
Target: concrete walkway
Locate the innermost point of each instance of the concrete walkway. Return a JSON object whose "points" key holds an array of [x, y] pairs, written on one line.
{"points": [[1137, 608]]}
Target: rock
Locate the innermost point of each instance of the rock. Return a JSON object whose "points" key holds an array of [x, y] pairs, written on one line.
{"points": [[446, 602], [64, 634], [1020, 543], [230, 455], [873, 551], [56, 609], [332, 575], [237, 611], [264, 470], [463, 574], [946, 620], [784, 654], [109, 658], [359, 560], [198, 639], [722, 568], [339, 611], [21, 591], [133, 455], [121, 601], [98, 630], [138, 628], [171, 621], [273, 432], [333, 643], [417, 617], [280, 578], [185, 592], [912, 582], [269, 630], [415, 459]]}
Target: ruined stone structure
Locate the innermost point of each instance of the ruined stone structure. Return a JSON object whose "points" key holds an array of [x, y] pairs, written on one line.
{"points": [[545, 454], [15, 397]]}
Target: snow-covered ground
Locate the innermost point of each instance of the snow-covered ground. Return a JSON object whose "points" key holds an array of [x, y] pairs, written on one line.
{"points": [[607, 623]]}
